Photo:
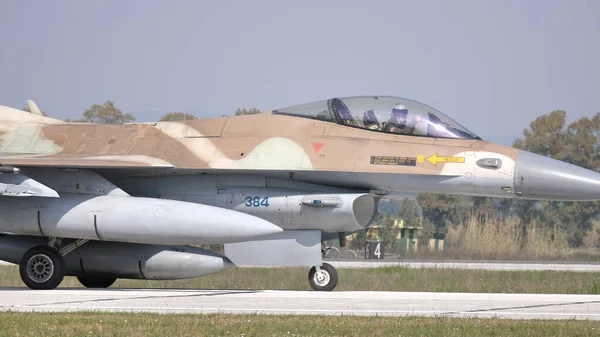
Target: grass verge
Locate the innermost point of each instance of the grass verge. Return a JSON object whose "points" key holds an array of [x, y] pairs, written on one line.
{"points": [[129, 324], [376, 279]]}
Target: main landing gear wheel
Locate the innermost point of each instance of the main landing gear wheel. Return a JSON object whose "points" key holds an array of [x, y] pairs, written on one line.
{"points": [[42, 267], [323, 278], [96, 282]]}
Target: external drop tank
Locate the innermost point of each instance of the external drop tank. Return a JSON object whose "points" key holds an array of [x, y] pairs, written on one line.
{"points": [[129, 219]]}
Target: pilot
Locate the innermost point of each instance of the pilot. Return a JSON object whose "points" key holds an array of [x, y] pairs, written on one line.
{"points": [[398, 122], [370, 120]]}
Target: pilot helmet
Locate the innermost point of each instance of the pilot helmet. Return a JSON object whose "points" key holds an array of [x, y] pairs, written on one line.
{"points": [[400, 110], [399, 115]]}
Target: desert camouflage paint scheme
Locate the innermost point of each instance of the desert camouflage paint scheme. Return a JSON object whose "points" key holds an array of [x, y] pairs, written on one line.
{"points": [[388, 144], [265, 143]]}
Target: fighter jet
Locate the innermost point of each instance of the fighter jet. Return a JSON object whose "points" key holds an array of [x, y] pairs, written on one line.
{"points": [[102, 202]]}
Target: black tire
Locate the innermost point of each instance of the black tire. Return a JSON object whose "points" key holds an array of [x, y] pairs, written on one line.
{"points": [[96, 283], [42, 267], [326, 281]]}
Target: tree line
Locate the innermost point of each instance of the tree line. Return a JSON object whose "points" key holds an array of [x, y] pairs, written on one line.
{"points": [[108, 113]]}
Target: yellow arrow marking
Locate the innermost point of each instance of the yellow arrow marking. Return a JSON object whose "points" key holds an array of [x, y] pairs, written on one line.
{"points": [[434, 159]]}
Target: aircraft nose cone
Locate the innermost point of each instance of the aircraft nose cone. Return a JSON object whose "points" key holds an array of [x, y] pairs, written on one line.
{"points": [[539, 177]]}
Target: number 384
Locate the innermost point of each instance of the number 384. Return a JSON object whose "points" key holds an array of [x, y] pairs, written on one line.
{"points": [[257, 202]]}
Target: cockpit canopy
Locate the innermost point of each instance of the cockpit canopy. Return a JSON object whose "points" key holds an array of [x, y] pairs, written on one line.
{"points": [[383, 114]]}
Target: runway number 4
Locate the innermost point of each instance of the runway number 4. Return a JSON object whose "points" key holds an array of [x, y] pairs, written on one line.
{"points": [[257, 202]]}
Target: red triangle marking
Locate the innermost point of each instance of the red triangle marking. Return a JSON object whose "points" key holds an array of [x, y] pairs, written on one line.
{"points": [[317, 147]]}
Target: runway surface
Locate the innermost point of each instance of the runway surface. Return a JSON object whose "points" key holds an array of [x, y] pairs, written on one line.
{"points": [[514, 306], [479, 265]]}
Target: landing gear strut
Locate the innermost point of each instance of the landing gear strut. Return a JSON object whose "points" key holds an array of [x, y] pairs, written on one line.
{"points": [[323, 278]]}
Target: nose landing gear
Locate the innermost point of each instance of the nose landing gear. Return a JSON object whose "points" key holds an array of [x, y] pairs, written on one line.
{"points": [[323, 278]]}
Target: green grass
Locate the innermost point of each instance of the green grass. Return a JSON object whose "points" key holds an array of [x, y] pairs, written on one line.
{"points": [[112, 324], [380, 279]]}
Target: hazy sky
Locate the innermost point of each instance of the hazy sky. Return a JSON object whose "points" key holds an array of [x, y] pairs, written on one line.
{"points": [[492, 65]]}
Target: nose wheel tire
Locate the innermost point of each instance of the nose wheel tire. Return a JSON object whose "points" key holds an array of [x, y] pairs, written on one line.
{"points": [[97, 283], [42, 267], [325, 278]]}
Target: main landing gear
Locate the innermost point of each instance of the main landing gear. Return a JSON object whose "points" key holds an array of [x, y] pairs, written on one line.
{"points": [[323, 278], [43, 267]]}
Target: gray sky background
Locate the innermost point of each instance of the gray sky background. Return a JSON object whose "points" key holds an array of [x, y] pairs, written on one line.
{"points": [[492, 65]]}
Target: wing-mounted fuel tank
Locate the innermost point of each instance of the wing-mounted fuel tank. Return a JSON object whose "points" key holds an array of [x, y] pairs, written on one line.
{"points": [[129, 219]]}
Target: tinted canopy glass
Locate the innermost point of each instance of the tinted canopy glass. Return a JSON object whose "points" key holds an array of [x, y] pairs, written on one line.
{"points": [[384, 114]]}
